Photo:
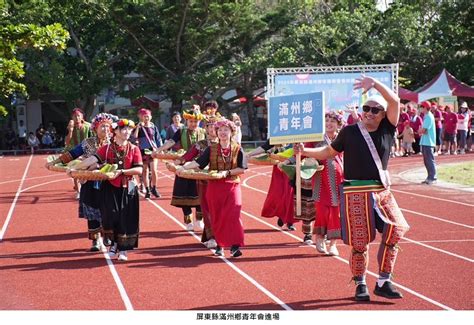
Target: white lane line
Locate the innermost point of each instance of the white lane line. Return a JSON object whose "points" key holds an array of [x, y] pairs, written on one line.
{"points": [[12, 207], [45, 183], [439, 219], [29, 178], [439, 250], [394, 190], [413, 241], [116, 277], [433, 198], [230, 264], [417, 294], [410, 211], [118, 282]]}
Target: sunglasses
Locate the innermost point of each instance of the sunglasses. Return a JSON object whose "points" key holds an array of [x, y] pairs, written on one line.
{"points": [[375, 110]]}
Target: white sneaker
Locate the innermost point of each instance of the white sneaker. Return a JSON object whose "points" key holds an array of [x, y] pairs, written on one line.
{"points": [[123, 256], [211, 243], [100, 242], [78, 195], [113, 250], [333, 249], [190, 226], [199, 224], [321, 246]]}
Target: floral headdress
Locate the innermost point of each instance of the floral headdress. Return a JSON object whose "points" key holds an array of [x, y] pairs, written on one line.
{"points": [[102, 118], [193, 114], [336, 116], [212, 119], [123, 123], [225, 122]]}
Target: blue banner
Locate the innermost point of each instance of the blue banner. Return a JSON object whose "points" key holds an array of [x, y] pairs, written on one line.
{"points": [[296, 118], [337, 87]]}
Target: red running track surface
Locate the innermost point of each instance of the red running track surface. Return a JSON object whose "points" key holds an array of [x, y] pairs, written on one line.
{"points": [[45, 263]]}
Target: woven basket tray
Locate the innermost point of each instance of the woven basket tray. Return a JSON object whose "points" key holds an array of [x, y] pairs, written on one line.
{"points": [[168, 155], [277, 157], [54, 168], [200, 175], [94, 175], [266, 162], [171, 167]]}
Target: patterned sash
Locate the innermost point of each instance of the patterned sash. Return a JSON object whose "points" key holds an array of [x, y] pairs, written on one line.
{"points": [[384, 175], [150, 141]]}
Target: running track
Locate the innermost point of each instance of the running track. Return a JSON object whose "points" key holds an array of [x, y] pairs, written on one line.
{"points": [[45, 263]]}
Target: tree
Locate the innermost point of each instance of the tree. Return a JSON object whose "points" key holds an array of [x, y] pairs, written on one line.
{"points": [[425, 37], [15, 38], [96, 57]]}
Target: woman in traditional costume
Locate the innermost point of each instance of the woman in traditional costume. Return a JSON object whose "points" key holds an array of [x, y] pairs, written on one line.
{"points": [[78, 130], [185, 193], [224, 196], [147, 137], [326, 192], [89, 201], [279, 201], [196, 150], [119, 195]]}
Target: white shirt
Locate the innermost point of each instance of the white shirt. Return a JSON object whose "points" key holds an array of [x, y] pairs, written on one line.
{"points": [[22, 131], [463, 122]]}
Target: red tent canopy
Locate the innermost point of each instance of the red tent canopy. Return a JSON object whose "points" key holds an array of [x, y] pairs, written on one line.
{"points": [[407, 94], [444, 84]]}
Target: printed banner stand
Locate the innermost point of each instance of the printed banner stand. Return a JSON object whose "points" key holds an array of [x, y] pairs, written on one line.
{"points": [[296, 118]]}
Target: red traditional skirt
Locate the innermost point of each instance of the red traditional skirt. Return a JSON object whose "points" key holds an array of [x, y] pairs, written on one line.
{"points": [[224, 199], [328, 221], [279, 202], [207, 232]]}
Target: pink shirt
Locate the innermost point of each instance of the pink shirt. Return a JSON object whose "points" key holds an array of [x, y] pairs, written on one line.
{"points": [[438, 115], [450, 122], [401, 122], [416, 122]]}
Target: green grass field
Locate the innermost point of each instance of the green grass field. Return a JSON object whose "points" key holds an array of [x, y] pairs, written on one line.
{"points": [[459, 173]]}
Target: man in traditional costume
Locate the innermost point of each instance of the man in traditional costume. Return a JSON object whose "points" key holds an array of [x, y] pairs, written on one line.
{"points": [[367, 204], [78, 130], [147, 137], [185, 193], [308, 208]]}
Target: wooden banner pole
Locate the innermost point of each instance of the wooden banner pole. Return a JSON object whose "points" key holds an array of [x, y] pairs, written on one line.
{"points": [[298, 184]]}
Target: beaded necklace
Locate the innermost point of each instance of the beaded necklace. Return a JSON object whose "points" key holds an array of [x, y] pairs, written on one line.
{"points": [[120, 154], [226, 155]]}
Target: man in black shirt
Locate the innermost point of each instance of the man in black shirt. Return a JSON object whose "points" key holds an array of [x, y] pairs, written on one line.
{"points": [[366, 201]]}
